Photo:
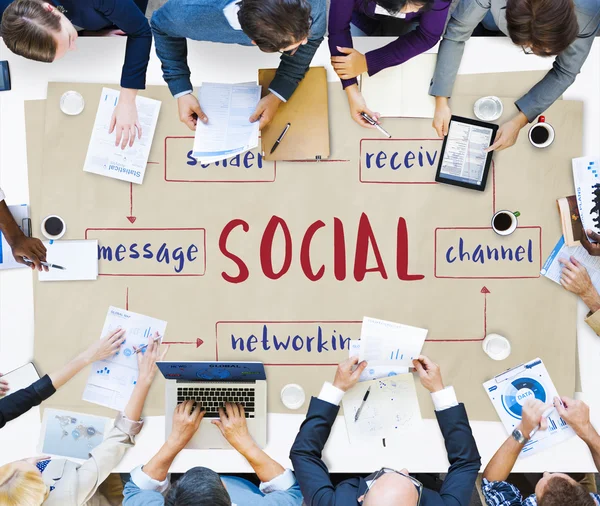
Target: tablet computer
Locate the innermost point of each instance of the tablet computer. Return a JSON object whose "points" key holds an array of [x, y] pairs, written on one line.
{"points": [[463, 160]]}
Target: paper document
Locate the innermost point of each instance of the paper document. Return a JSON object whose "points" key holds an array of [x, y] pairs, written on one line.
{"points": [[21, 377], [111, 381], [586, 177], [70, 434], [402, 91], [79, 258], [21, 216], [228, 131], [509, 391], [386, 343], [392, 407], [552, 268], [374, 372], [106, 159]]}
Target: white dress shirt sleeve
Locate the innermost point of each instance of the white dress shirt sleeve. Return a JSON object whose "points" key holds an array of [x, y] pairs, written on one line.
{"points": [[144, 482], [280, 483], [2, 196], [444, 399], [183, 93], [332, 395]]}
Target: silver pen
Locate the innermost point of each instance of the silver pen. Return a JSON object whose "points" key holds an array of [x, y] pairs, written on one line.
{"points": [[362, 404], [546, 414], [143, 347], [371, 121], [46, 264]]}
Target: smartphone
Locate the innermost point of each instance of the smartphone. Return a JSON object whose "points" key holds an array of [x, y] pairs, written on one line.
{"points": [[4, 76]]}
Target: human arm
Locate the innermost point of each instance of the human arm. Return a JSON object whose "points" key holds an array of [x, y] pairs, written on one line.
{"points": [[575, 279], [340, 17], [19, 243]]}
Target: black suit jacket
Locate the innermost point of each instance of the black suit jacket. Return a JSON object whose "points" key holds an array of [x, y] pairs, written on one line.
{"points": [[313, 476], [14, 405]]}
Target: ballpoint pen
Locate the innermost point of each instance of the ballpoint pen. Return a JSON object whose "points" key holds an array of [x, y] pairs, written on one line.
{"points": [[280, 138], [371, 121], [143, 347], [46, 264], [362, 404]]}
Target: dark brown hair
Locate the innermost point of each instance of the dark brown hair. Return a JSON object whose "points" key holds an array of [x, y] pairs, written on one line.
{"points": [[27, 28], [547, 26], [275, 24], [560, 492]]}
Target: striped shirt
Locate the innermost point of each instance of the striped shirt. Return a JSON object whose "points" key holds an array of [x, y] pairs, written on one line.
{"points": [[501, 493]]}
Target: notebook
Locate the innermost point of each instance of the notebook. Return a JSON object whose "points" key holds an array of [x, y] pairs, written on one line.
{"points": [[306, 111]]}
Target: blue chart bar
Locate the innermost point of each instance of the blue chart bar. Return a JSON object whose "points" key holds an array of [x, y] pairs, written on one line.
{"points": [[397, 355], [552, 424], [563, 423]]}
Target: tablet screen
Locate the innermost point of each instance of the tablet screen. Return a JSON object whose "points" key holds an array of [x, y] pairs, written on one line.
{"points": [[465, 157]]}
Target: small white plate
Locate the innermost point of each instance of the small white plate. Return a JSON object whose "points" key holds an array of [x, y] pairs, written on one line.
{"points": [[72, 103]]}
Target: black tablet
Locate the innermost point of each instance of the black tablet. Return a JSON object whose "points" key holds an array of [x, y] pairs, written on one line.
{"points": [[463, 160]]}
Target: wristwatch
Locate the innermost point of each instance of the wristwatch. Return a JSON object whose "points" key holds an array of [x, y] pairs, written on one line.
{"points": [[519, 436]]}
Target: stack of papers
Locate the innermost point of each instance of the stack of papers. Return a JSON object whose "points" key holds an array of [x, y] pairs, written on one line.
{"points": [[106, 159], [553, 268], [377, 371], [228, 131]]}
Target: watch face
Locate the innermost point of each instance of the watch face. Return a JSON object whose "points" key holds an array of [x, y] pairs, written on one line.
{"points": [[518, 435]]}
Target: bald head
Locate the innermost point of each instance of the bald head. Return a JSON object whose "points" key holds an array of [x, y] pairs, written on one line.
{"points": [[392, 489]]}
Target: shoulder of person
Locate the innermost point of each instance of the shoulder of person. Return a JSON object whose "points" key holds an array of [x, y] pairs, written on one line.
{"points": [[588, 16]]}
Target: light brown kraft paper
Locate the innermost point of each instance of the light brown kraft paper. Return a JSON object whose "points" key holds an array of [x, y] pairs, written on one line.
{"points": [[321, 197]]}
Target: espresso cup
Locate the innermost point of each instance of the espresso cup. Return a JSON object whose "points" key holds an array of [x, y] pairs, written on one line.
{"points": [[53, 227], [505, 222], [541, 135]]}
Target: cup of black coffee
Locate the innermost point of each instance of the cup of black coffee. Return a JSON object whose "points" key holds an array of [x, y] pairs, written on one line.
{"points": [[53, 227], [541, 135], [505, 222]]}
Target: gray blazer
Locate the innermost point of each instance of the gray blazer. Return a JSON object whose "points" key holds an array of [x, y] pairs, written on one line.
{"points": [[566, 66]]}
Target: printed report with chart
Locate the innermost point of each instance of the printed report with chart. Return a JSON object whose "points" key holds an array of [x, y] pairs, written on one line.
{"points": [[111, 382]]}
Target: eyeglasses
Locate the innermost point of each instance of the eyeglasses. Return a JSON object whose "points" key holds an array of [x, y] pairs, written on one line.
{"points": [[527, 50], [418, 485]]}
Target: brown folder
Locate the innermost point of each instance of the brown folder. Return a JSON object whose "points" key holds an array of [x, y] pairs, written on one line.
{"points": [[307, 111]]}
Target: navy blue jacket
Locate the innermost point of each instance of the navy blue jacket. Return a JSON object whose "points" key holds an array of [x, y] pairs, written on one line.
{"points": [[127, 15], [14, 405], [313, 476]]}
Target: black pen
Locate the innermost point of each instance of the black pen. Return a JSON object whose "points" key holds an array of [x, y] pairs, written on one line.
{"points": [[280, 138], [362, 404]]}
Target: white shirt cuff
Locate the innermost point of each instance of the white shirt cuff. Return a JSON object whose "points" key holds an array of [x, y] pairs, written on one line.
{"points": [[182, 93], [277, 95], [332, 395], [2, 196], [280, 483], [144, 482], [444, 399]]}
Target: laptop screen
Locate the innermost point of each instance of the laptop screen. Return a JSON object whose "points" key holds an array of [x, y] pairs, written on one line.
{"points": [[213, 371]]}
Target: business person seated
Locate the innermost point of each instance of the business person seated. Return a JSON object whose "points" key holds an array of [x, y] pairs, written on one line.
{"points": [[575, 279], [61, 482], [294, 28], [47, 31], [561, 28], [200, 486], [422, 25], [554, 489], [14, 405], [20, 245], [385, 487]]}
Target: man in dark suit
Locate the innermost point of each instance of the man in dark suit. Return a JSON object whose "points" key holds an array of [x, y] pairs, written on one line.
{"points": [[385, 487]]}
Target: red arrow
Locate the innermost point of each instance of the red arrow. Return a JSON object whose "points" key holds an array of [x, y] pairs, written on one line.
{"points": [[485, 292], [131, 218], [199, 342]]}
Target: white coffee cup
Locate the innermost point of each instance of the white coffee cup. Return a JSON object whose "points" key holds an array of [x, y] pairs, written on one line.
{"points": [[292, 396], [72, 103], [496, 347], [53, 221], [546, 126], [498, 220]]}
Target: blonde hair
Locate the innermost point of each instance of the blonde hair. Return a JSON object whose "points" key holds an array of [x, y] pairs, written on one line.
{"points": [[21, 488]]}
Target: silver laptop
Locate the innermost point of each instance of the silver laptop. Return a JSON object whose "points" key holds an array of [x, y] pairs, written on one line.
{"points": [[211, 384]]}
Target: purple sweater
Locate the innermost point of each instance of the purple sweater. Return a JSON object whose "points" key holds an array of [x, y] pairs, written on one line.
{"points": [[428, 33]]}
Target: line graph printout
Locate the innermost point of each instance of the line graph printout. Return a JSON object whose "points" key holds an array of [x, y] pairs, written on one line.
{"points": [[391, 408], [385, 343], [111, 381]]}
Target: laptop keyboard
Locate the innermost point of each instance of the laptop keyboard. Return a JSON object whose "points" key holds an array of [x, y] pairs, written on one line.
{"points": [[212, 399]]}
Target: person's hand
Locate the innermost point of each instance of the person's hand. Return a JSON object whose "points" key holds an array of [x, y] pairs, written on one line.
{"points": [[32, 461], [357, 105], [441, 117], [4, 388], [114, 33], [148, 357], [105, 347], [508, 133], [593, 248], [190, 111], [31, 248], [232, 424], [266, 110], [575, 413], [574, 277], [429, 373], [124, 121], [531, 416], [186, 420], [351, 65], [347, 375]]}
